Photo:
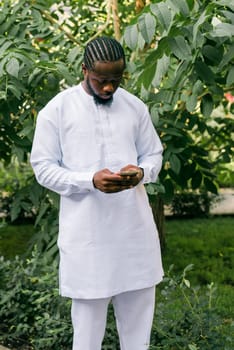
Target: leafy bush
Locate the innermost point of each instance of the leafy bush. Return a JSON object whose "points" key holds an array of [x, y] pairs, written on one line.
{"points": [[187, 318], [191, 204], [31, 311], [34, 316], [16, 191]]}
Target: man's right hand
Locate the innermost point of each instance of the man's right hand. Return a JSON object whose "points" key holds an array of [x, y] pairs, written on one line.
{"points": [[109, 182]]}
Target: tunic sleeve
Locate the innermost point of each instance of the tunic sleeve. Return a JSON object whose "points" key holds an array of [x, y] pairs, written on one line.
{"points": [[149, 149], [46, 161]]}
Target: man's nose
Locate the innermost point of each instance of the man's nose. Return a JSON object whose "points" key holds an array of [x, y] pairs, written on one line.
{"points": [[109, 87]]}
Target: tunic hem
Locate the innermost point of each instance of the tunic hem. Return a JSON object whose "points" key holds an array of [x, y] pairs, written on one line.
{"points": [[69, 294]]}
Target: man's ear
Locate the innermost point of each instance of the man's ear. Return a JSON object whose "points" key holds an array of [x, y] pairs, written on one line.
{"points": [[84, 68]]}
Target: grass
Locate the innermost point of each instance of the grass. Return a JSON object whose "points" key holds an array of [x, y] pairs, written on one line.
{"points": [[208, 244]]}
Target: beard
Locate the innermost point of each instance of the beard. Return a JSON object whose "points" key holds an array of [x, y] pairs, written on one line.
{"points": [[97, 99]]}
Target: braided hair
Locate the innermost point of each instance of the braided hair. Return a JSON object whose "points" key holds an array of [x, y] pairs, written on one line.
{"points": [[103, 49]]}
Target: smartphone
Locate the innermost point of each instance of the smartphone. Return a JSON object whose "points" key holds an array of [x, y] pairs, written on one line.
{"points": [[128, 172]]}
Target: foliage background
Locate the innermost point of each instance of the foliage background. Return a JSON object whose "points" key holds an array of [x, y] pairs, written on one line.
{"points": [[180, 62]]}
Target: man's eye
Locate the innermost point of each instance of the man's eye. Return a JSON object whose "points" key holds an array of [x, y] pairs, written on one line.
{"points": [[102, 82]]}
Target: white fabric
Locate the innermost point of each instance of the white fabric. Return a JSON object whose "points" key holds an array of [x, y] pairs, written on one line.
{"points": [[134, 315], [108, 242]]}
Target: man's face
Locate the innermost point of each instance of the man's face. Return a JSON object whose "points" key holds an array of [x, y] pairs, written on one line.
{"points": [[103, 80]]}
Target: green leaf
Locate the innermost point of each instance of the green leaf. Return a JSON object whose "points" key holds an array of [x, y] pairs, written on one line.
{"points": [[34, 74], [229, 16], [188, 170], [154, 188], [230, 77], [198, 88], [228, 3], [174, 132], [210, 186], [28, 130], [190, 4], [186, 282], [222, 30], [23, 57], [177, 150], [62, 68], [147, 75], [147, 25], [12, 67], [169, 189], [164, 96], [227, 57], [14, 90], [43, 209], [73, 54], [191, 102], [154, 115], [193, 347], [204, 163], [3, 95], [180, 6], [161, 69], [163, 15], [180, 47], [196, 26], [207, 105], [15, 210], [196, 180], [4, 47], [131, 36], [187, 268], [180, 74], [204, 72], [213, 53], [175, 163], [150, 189]]}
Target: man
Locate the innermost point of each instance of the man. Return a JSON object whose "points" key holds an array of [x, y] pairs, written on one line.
{"points": [[96, 146]]}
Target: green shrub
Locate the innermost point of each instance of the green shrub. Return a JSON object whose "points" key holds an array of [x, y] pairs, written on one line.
{"points": [[191, 204], [31, 311], [187, 318], [34, 316], [16, 191]]}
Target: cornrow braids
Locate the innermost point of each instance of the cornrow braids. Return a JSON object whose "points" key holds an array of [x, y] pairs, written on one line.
{"points": [[103, 49]]}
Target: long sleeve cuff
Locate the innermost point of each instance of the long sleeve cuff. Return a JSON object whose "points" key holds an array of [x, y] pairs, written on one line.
{"points": [[83, 182]]}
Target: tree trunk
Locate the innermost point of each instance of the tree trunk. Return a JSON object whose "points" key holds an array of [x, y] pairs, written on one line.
{"points": [[157, 206]]}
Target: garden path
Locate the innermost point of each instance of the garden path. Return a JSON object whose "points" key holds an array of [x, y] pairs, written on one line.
{"points": [[225, 204]]}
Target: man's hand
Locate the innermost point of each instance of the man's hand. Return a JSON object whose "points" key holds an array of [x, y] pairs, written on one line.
{"points": [[135, 179], [109, 182]]}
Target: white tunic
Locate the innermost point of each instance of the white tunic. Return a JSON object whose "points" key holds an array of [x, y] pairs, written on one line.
{"points": [[108, 242]]}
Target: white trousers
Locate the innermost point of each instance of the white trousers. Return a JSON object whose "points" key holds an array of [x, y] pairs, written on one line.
{"points": [[134, 312]]}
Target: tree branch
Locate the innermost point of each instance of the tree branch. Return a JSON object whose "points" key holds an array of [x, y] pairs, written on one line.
{"points": [[106, 24], [116, 20], [52, 20]]}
